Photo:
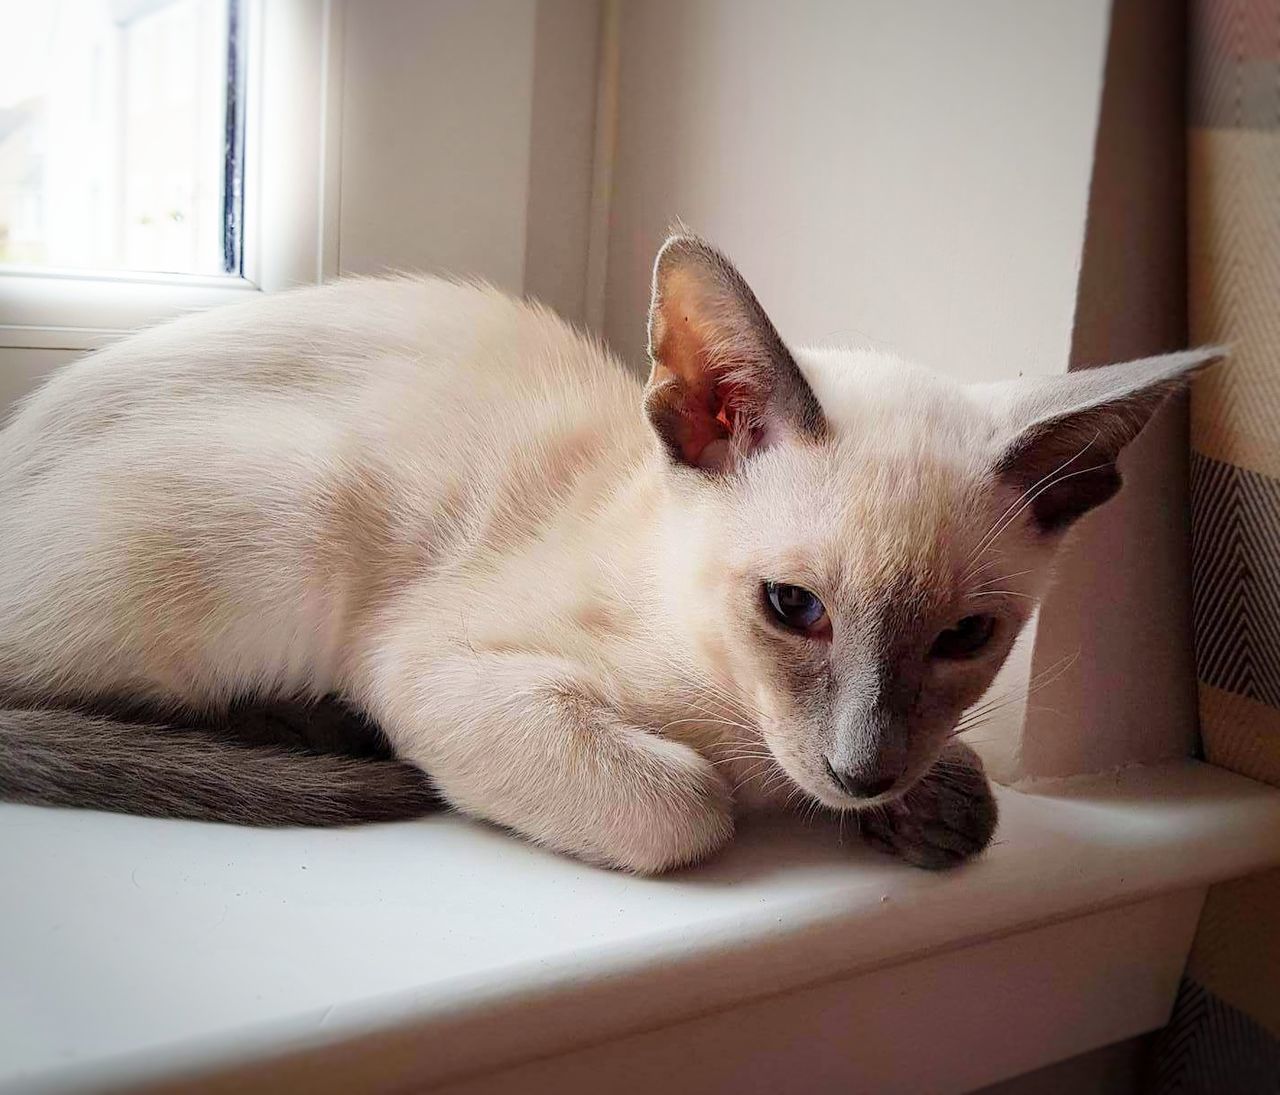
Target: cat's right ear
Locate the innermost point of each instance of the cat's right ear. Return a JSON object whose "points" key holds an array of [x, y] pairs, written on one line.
{"points": [[722, 384], [1063, 434]]}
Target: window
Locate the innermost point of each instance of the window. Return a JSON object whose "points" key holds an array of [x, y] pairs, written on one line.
{"points": [[158, 156], [121, 135]]}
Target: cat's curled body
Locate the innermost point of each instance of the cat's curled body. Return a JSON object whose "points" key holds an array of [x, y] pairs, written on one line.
{"points": [[417, 495], [444, 507]]}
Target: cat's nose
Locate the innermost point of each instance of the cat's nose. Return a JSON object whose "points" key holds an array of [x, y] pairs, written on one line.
{"points": [[859, 785]]}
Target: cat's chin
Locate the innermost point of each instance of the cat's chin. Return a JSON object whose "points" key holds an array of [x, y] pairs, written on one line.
{"points": [[847, 804], [799, 789], [804, 789], [832, 799]]}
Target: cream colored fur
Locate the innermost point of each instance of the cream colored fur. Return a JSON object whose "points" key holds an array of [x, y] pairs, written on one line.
{"points": [[447, 508]]}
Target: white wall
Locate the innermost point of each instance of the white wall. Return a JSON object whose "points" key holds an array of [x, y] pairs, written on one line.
{"points": [[557, 222], [915, 173], [467, 141], [435, 137]]}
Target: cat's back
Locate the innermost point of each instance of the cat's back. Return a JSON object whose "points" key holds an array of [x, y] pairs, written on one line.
{"points": [[359, 345], [231, 487]]}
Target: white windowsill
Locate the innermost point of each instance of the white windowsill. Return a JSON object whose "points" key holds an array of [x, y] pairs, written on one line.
{"points": [[73, 311], [136, 949]]}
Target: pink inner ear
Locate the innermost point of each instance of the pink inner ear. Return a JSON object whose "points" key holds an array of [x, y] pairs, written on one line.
{"points": [[707, 422], [736, 414], [710, 382], [715, 455]]}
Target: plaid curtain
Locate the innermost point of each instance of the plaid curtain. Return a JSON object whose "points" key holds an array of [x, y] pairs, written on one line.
{"points": [[1224, 1036]]}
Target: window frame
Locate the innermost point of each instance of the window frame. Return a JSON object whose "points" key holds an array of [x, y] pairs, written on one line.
{"points": [[292, 135]]}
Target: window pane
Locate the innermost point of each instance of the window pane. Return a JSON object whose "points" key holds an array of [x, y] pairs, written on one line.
{"points": [[114, 135]]}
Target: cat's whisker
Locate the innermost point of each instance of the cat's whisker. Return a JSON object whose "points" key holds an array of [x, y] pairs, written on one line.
{"points": [[702, 720], [779, 780], [984, 709], [757, 762], [1052, 673], [1048, 486], [977, 716], [725, 698], [1004, 578], [978, 563], [752, 776], [1023, 500], [708, 719]]}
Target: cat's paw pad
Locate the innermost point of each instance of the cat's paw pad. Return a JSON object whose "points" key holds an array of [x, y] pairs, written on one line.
{"points": [[944, 820]]}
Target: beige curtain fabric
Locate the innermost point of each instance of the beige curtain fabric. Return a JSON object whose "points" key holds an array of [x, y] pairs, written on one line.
{"points": [[1225, 1033], [1234, 234]]}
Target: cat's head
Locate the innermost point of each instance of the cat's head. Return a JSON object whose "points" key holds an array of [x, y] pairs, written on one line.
{"points": [[857, 542]]}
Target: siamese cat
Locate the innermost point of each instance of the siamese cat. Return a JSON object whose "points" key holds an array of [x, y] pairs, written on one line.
{"points": [[599, 613]]}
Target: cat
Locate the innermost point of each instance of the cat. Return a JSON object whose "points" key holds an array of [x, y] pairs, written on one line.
{"points": [[600, 614]]}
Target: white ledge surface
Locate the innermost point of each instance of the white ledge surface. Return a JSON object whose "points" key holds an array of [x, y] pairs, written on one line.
{"points": [[134, 950]]}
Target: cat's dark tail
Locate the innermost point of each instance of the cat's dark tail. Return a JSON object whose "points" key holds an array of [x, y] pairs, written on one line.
{"points": [[58, 757]]}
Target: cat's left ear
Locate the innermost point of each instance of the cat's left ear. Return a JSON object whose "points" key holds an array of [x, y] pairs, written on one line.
{"points": [[722, 383], [1061, 435]]}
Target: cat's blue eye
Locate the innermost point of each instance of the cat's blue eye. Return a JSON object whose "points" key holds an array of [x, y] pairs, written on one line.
{"points": [[966, 639], [795, 607]]}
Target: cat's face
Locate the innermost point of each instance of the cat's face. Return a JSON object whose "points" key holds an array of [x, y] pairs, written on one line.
{"points": [[861, 541], [845, 587]]}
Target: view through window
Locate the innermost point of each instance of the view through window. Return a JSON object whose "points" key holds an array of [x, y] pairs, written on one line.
{"points": [[121, 135]]}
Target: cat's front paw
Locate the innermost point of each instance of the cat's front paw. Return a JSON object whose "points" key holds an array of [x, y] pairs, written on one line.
{"points": [[671, 809], [948, 817]]}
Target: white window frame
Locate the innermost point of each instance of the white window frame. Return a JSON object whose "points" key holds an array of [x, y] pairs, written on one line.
{"points": [[292, 172]]}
